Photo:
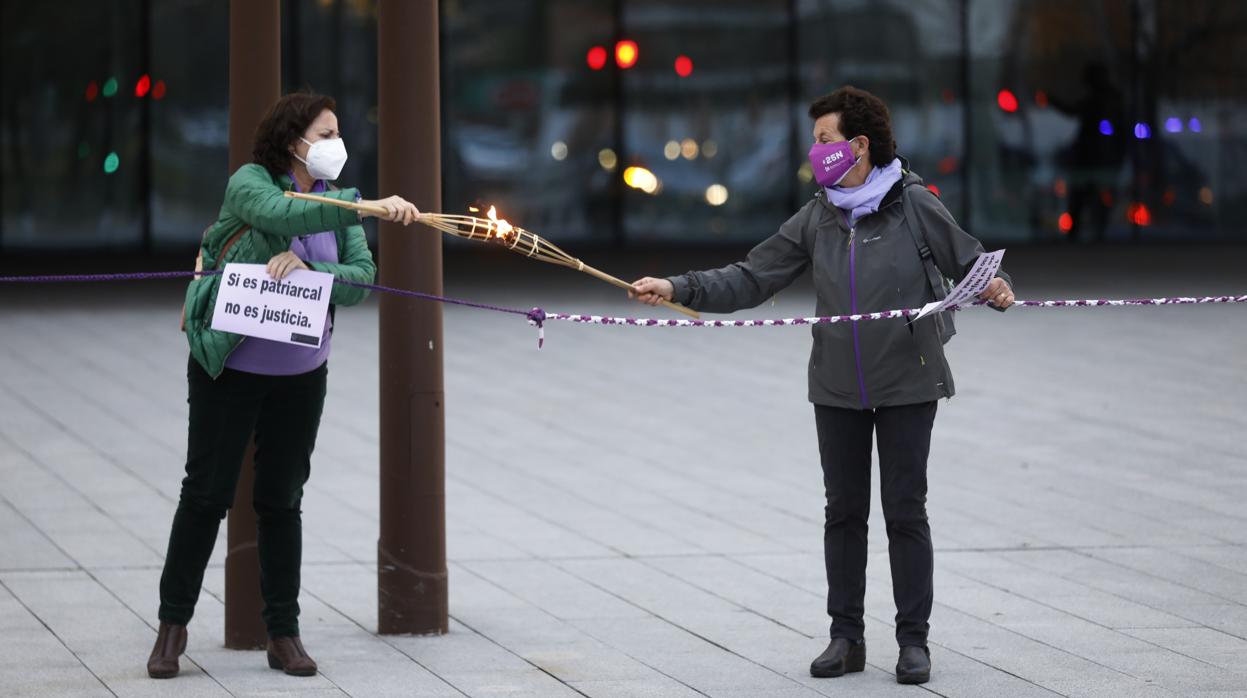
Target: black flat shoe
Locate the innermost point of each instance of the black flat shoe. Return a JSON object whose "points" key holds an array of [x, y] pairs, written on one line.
{"points": [[841, 657], [914, 665]]}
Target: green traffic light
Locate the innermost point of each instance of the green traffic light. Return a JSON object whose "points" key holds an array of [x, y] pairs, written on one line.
{"points": [[110, 87], [111, 163]]}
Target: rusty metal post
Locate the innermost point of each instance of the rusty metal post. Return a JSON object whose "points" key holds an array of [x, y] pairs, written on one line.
{"points": [[411, 551], [254, 84]]}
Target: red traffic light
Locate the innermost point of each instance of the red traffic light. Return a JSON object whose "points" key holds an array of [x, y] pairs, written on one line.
{"points": [[596, 58], [1139, 214], [683, 66], [143, 86], [1007, 101]]}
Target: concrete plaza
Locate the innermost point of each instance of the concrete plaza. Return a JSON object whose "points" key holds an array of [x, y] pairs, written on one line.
{"points": [[638, 512]]}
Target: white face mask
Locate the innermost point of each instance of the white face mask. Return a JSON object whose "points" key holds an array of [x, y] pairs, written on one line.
{"points": [[325, 158]]}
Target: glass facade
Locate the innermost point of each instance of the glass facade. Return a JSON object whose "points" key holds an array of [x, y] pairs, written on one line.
{"points": [[1107, 120], [654, 122]]}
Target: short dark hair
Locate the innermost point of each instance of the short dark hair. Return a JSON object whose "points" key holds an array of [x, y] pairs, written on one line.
{"points": [[861, 114], [286, 122]]}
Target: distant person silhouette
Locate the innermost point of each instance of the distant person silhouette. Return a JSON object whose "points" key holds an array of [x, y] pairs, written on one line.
{"points": [[1094, 158]]}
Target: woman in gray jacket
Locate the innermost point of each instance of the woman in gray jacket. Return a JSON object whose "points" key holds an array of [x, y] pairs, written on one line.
{"points": [[870, 236]]}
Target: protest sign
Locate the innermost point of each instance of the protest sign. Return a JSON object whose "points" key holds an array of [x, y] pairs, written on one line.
{"points": [[291, 310]]}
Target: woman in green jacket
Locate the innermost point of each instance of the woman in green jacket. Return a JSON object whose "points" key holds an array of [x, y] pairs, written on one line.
{"points": [[244, 385]]}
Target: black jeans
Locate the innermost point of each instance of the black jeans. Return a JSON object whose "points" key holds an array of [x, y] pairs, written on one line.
{"points": [[904, 437], [284, 413]]}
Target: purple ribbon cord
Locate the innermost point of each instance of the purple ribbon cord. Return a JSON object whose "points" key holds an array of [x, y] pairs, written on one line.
{"points": [[537, 316]]}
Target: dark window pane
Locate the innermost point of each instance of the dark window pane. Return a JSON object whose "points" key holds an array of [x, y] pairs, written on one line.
{"points": [[71, 142], [189, 118], [712, 148], [525, 117], [1194, 85], [1054, 119]]}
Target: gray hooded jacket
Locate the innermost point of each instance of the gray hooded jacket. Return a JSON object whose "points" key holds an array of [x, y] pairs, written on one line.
{"points": [[870, 267]]}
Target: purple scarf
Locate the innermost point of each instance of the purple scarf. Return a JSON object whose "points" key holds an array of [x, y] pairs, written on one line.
{"points": [[865, 198]]}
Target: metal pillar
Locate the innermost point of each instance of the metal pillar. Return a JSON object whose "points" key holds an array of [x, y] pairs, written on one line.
{"points": [[411, 551], [254, 84]]}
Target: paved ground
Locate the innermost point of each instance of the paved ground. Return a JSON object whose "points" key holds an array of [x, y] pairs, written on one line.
{"points": [[637, 512]]}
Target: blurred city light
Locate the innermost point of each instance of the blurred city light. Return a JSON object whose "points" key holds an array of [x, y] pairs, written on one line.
{"points": [[1106, 127], [1007, 101], [1065, 222], [1205, 196], [1142, 131], [683, 66], [934, 189], [558, 150], [1041, 99], [607, 159], [1193, 125], [111, 163], [83, 150], [625, 54], [671, 150], [158, 91], [641, 178], [1173, 124], [716, 194], [143, 86], [596, 58], [805, 173], [1059, 188], [93, 91], [688, 148], [1139, 214], [709, 149], [110, 87]]}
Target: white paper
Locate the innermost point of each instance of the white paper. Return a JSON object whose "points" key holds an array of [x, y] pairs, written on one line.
{"points": [[966, 292], [292, 310]]}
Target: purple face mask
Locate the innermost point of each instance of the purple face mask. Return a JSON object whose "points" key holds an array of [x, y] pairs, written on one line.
{"points": [[831, 162]]}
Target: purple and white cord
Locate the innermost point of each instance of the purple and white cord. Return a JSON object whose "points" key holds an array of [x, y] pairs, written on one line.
{"points": [[885, 315], [538, 317]]}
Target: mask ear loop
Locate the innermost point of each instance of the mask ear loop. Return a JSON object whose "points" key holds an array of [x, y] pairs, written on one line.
{"points": [[294, 153], [858, 159]]}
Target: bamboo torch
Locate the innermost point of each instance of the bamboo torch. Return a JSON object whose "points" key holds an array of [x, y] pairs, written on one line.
{"points": [[499, 231]]}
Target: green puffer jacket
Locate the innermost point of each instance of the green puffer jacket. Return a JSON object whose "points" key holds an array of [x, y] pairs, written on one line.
{"points": [[256, 198]]}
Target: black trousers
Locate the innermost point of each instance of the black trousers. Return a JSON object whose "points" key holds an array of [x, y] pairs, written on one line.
{"points": [[284, 413], [904, 439]]}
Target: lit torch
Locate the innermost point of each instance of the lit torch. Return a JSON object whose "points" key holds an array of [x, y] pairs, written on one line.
{"points": [[500, 231]]}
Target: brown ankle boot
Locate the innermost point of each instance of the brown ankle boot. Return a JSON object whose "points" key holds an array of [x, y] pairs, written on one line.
{"points": [[287, 654], [170, 644]]}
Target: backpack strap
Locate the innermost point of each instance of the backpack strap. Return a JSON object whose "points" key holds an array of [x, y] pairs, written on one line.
{"points": [[935, 277], [230, 243], [199, 260]]}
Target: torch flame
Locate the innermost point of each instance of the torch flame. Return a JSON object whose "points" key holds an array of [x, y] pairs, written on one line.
{"points": [[504, 228]]}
